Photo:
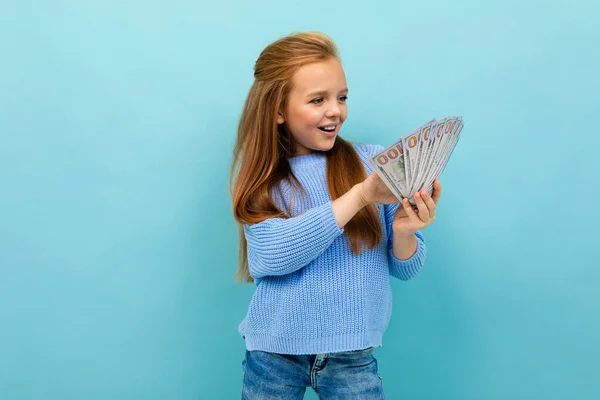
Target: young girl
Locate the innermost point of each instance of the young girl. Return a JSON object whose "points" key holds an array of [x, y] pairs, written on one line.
{"points": [[320, 232]]}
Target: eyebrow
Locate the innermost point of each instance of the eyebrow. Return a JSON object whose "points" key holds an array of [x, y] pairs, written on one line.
{"points": [[323, 92]]}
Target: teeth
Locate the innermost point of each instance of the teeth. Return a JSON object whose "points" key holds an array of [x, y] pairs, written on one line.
{"points": [[329, 128]]}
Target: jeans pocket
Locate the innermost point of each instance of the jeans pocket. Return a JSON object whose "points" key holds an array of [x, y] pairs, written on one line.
{"points": [[367, 350]]}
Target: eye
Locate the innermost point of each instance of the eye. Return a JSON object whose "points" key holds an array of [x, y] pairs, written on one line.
{"points": [[344, 98], [318, 100]]}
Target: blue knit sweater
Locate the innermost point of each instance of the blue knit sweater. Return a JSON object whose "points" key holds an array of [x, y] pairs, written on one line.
{"points": [[313, 295]]}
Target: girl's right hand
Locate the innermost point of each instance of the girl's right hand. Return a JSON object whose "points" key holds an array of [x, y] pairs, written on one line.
{"points": [[373, 190]]}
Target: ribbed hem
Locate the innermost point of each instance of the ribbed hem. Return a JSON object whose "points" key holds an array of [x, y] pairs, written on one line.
{"points": [[320, 345]]}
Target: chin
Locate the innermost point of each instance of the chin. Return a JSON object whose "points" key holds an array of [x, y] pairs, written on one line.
{"points": [[331, 142], [325, 147], [317, 147]]}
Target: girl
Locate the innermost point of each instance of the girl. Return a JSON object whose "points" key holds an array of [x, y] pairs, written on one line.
{"points": [[320, 234]]}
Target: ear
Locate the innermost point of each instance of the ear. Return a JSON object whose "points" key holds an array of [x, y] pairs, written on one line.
{"points": [[280, 119]]}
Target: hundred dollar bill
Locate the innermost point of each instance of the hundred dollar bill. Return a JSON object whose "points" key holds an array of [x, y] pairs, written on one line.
{"points": [[448, 140], [418, 158], [410, 143], [454, 137], [389, 165], [442, 138], [426, 146]]}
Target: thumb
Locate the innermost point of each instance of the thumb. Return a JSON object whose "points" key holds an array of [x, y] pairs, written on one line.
{"points": [[374, 176]]}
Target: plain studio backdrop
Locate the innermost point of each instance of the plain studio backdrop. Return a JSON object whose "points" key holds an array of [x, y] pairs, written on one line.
{"points": [[118, 244]]}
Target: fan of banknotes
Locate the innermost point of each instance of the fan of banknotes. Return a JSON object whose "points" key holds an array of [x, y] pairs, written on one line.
{"points": [[418, 158]]}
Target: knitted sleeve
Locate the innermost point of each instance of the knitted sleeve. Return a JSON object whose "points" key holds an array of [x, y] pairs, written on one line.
{"points": [[403, 269], [279, 246]]}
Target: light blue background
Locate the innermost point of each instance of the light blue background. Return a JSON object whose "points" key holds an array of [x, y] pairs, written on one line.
{"points": [[118, 246]]}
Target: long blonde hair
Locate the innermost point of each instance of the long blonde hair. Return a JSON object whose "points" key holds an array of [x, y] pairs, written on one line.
{"points": [[260, 156]]}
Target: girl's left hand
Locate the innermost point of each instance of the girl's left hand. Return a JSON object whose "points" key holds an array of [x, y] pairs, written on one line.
{"points": [[407, 221]]}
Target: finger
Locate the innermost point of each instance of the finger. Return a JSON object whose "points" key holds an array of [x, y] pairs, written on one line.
{"points": [[400, 210], [429, 203], [376, 177], [423, 211], [437, 190], [410, 213]]}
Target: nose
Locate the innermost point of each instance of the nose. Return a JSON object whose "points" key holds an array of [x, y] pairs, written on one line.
{"points": [[333, 110]]}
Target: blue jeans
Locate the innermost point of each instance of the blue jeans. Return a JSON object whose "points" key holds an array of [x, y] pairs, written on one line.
{"points": [[333, 376]]}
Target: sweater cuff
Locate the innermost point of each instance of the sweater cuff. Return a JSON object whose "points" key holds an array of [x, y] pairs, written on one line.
{"points": [[328, 222], [409, 268]]}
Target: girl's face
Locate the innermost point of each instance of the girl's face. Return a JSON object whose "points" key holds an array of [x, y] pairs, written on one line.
{"points": [[316, 106]]}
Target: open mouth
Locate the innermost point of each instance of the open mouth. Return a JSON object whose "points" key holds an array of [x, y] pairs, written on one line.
{"points": [[328, 128]]}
